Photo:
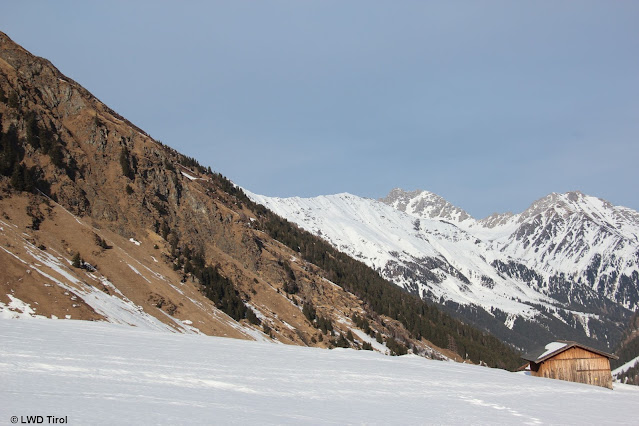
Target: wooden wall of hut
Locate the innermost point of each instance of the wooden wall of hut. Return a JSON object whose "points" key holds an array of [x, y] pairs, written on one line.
{"points": [[576, 365]]}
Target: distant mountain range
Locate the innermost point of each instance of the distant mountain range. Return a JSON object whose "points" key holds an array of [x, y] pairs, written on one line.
{"points": [[567, 267]]}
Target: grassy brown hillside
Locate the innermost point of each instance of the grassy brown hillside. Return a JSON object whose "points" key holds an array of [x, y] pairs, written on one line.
{"points": [[99, 221]]}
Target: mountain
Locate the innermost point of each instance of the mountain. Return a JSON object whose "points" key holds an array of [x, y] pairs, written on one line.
{"points": [[425, 204], [567, 267], [101, 222], [626, 368]]}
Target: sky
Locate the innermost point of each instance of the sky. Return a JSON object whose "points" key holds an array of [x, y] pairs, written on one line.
{"points": [[490, 104]]}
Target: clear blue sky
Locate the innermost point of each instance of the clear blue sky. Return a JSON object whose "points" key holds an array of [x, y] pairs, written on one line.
{"points": [[490, 104]]}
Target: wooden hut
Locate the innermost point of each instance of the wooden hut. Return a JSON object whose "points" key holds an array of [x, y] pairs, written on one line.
{"points": [[565, 360]]}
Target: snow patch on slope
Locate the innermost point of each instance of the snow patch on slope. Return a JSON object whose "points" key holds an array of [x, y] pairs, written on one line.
{"points": [[627, 366], [115, 308], [16, 309]]}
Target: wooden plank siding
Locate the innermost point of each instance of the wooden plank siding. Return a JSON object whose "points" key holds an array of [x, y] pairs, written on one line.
{"points": [[576, 365]]}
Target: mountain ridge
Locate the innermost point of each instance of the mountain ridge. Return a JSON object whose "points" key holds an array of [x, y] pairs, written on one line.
{"points": [[567, 263]]}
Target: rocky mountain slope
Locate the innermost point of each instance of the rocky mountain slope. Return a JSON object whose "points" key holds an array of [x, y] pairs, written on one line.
{"points": [[567, 267], [626, 368], [101, 222]]}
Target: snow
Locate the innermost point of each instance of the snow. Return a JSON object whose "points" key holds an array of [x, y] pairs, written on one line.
{"points": [[363, 337], [188, 176], [99, 373], [16, 309], [114, 308], [423, 234], [381, 236], [552, 347], [627, 366], [134, 241], [138, 272], [510, 321]]}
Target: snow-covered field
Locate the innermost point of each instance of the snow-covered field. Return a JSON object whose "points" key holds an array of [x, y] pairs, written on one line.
{"points": [[100, 373]]}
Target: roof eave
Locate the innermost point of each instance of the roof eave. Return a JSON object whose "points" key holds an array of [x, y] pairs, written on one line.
{"points": [[568, 346]]}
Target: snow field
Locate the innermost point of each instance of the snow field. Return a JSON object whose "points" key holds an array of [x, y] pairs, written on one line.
{"points": [[100, 373]]}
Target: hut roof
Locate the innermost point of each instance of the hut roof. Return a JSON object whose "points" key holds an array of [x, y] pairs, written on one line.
{"points": [[554, 348]]}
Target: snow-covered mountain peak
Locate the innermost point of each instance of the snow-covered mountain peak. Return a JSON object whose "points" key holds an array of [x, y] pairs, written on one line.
{"points": [[425, 204], [575, 205], [568, 262], [495, 220], [561, 204]]}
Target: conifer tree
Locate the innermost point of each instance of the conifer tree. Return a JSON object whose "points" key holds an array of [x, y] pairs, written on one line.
{"points": [[13, 101], [124, 162], [342, 342], [252, 317], [9, 153], [56, 156], [17, 177], [309, 311], [76, 262], [33, 133]]}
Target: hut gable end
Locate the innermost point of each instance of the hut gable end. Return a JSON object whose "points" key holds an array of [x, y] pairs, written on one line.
{"points": [[572, 362]]}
